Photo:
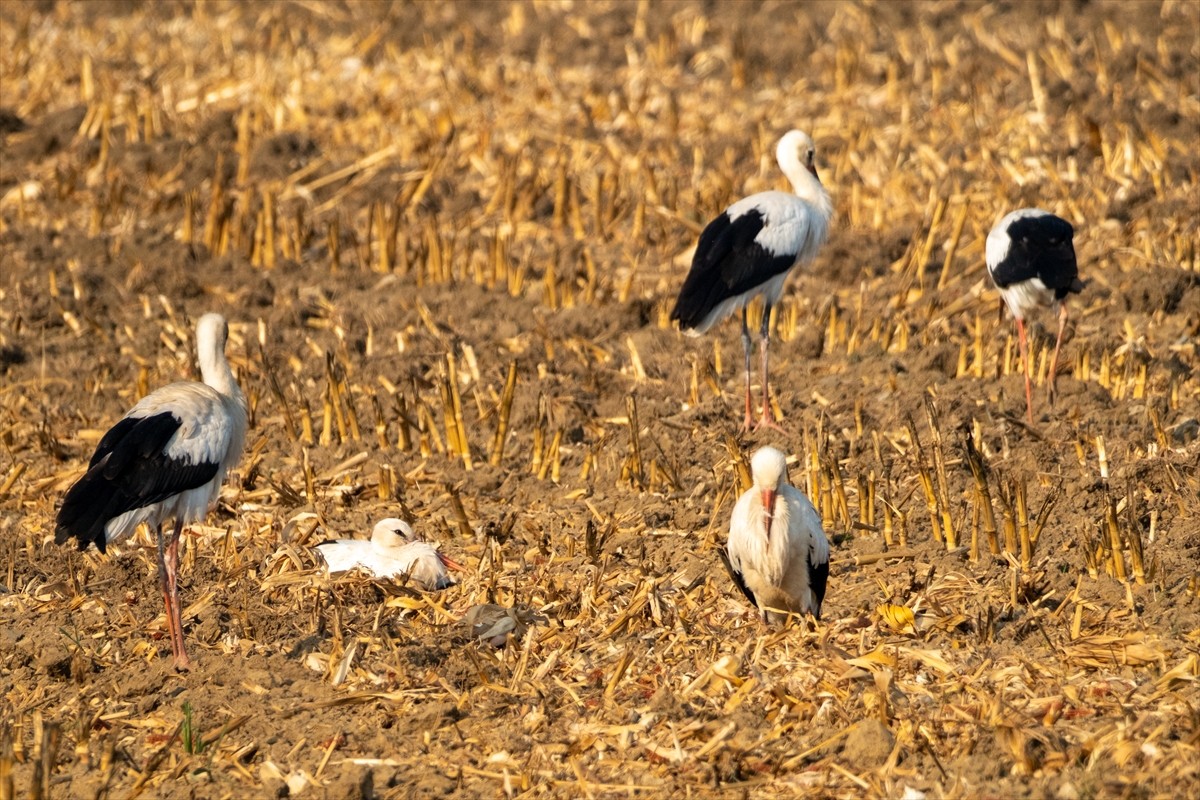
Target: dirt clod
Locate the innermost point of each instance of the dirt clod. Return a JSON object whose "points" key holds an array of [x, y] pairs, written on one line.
{"points": [[868, 744]]}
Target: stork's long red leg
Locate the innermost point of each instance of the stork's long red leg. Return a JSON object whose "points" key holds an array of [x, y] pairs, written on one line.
{"points": [[1025, 362], [174, 610], [764, 344], [749, 419], [1062, 326], [164, 583]]}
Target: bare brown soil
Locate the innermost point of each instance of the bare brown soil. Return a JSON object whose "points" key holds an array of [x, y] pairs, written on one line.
{"points": [[397, 204]]}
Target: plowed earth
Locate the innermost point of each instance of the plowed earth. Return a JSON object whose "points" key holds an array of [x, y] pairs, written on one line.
{"points": [[394, 205]]}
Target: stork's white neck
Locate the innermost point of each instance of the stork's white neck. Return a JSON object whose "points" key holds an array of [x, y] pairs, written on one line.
{"points": [[805, 185], [795, 155], [211, 333]]}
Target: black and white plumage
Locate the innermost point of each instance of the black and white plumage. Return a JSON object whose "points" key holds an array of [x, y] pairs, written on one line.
{"points": [[1031, 258], [777, 552], [165, 459], [749, 250], [392, 552]]}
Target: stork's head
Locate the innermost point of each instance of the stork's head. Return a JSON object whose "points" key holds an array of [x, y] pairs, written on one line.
{"points": [[769, 468], [212, 331], [796, 148], [392, 532], [395, 533]]}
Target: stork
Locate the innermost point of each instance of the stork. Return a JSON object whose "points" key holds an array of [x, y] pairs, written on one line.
{"points": [[392, 552], [1031, 259], [165, 459], [777, 553], [749, 250]]}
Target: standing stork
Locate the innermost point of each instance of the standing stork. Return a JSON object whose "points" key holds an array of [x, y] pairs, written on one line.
{"points": [[1031, 259], [777, 553], [749, 250], [166, 458], [392, 552]]}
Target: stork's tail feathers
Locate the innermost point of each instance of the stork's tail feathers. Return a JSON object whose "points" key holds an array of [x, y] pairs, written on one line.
{"points": [[86, 510]]}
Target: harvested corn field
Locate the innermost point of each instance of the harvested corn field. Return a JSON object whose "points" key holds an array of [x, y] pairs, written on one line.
{"points": [[448, 238]]}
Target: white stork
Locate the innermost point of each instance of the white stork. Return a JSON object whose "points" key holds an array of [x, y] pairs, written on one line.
{"points": [[1031, 259], [749, 250], [777, 553], [392, 552], [165, 459]]}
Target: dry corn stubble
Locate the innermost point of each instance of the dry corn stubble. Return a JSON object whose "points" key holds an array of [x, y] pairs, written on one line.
{"points": [[443, 223]]}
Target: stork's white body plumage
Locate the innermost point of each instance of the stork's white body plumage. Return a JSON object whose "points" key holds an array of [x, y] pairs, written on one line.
{"points": [[165, 459], [793, 228], [212, 430], [750, 249], [777, 551], [392, 552]]}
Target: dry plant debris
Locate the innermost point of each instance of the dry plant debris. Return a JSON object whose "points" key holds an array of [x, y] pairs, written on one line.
{"points": [[448, 237]]}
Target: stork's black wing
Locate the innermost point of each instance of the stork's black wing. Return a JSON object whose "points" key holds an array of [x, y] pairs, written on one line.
{"points": [[818, 577], [729, 261], [738, 581], [130, 469], [1040, 247]]}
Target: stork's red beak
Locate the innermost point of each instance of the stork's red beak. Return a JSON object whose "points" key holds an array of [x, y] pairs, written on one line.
{"points": [[768, 501], [813, 169], [450, 563]]}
